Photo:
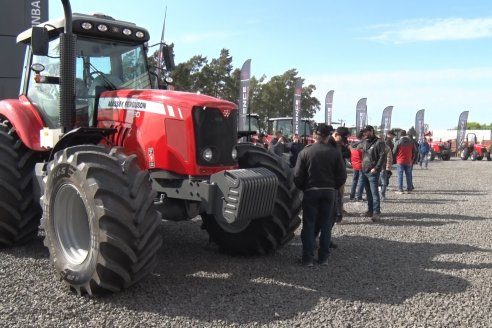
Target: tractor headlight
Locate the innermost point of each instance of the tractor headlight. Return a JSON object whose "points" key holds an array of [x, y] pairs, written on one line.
{"points": [[234, 154], [102, 27], [127, 31], [86, 25], [139, 34], [207, 154]]}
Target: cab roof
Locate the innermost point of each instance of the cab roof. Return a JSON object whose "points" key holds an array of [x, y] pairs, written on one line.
{"points": [[115, 28]]}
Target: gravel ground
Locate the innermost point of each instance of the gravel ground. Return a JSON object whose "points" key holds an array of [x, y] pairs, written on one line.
{"points": [[427, 264]]}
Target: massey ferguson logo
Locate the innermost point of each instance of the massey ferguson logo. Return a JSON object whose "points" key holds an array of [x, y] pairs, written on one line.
{"points": [[226, 113]]}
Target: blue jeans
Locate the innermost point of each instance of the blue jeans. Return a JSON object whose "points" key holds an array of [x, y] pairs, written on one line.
{"points": [[383, 182], [318, 210], [356, 190], [370, 183], [424, 158], [407, 168]]}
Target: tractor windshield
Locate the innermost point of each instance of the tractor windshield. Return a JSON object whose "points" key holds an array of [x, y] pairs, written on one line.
{"points": [[101, 64], [116, 64]]}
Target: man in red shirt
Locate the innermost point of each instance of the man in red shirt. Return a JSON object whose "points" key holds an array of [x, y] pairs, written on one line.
{"points": [[404, 153], [356, 160]]}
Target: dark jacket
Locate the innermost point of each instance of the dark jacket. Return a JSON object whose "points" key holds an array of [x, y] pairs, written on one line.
{"points": [[374, 155], [295, 149], [319, 166]]}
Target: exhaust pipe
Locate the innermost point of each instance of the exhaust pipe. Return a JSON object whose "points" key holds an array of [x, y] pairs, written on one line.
{"points": [[67, 71]]}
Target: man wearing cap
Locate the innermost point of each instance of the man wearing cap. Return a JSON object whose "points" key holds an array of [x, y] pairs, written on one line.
{"points": [[373, 162], [319, 172]]}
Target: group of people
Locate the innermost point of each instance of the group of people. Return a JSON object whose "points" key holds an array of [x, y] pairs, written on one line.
{"points": [[280, 145], [320, 172]]}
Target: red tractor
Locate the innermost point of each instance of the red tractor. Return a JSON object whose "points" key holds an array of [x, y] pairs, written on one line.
{"points": [[470, 148], [440, 150], [102, 158]]}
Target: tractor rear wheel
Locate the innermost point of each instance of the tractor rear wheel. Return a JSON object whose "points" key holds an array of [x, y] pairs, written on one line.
{"points": [[19, 211], [263, 235], [474, 155], [100, 223], [446, 156], [487, 155]]}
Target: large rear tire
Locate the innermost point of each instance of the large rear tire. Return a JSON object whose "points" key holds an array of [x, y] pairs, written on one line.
{"points": [[100, 223], [263, 235], [19, 211]]}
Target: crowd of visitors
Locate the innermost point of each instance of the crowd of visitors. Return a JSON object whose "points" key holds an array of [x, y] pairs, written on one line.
{"points": [[320, 172]]}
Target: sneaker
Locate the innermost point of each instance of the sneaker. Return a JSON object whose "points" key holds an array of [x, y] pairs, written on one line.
{"points": [[376, 217], [323, 262], [366, 215], [399, 192], [408, 191]]}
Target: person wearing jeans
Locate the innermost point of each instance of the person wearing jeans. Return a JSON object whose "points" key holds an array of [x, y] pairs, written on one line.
{"points": [[319, 173], [373, 162], [405, 153], [356, 160]]}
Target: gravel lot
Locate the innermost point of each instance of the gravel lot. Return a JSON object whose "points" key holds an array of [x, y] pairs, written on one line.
{"points": [[427, 264]]}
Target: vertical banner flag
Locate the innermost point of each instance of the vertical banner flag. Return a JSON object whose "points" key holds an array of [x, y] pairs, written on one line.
{"points": [[361, 114], [386, 121], [461, 131], [296, 115], [419, 125], [244, 94], [329, 106]]}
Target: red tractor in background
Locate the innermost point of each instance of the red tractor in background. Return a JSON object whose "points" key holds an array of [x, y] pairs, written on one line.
{"points": [[438, 149], [102, 157], [470, 148]]}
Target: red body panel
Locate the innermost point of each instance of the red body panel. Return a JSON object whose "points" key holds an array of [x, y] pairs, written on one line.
{"points": [[25, 118], [157, 126]]}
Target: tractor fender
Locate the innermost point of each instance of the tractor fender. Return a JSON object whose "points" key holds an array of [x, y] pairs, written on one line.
{"points": [[25, 119]]}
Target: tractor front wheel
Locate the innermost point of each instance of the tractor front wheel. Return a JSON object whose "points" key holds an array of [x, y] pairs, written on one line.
{"points": [[262, 235], [465, 153], [100, 223]]}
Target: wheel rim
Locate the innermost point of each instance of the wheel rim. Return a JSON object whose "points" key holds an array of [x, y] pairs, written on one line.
{"points": [[71, 224]]}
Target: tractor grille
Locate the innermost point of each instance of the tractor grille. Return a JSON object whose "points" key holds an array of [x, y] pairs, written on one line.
{"points": [[216, 132]]}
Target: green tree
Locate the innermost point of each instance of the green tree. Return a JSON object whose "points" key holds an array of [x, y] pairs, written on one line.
{"points": [[276, 97], [478, 126], [218, 78]]}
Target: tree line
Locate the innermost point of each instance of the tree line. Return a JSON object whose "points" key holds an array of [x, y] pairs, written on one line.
{"points": [[217, 77], [273, 98]]}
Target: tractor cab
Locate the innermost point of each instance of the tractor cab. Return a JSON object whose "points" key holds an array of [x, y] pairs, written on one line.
{"points": [[109, 55], [285, 125]]}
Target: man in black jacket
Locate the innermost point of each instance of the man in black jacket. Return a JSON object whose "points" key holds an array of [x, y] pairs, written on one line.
{"points": [[319, 172], [373, 162]]}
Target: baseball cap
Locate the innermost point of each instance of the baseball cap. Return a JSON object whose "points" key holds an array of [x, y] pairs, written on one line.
{"points": [[324, 130], [368, 128], [343, 131]]}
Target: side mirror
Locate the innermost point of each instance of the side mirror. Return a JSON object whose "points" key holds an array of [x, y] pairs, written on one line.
{"points": [[39, 41], [168, 55]]}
